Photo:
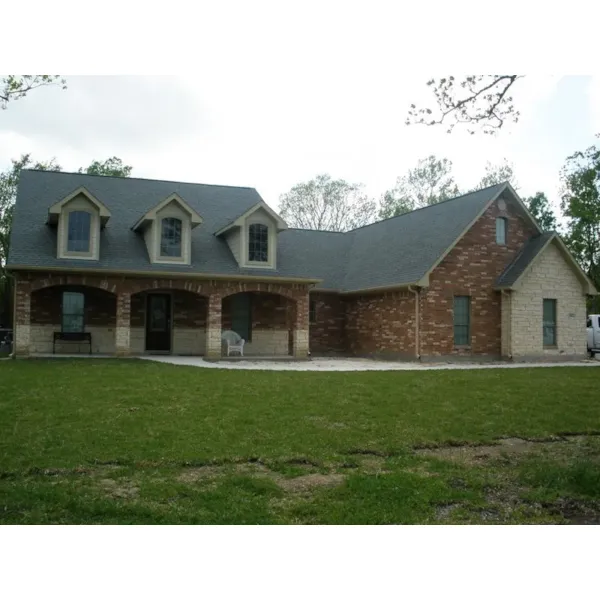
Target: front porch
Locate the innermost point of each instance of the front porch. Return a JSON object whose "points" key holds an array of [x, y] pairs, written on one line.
{"points": [[161, 317]]}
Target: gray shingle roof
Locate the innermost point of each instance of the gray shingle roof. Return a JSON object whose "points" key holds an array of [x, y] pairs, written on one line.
{"points": [[528, 253], [395, 251]]}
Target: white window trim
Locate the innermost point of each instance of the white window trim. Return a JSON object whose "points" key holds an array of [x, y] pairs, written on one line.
{"points": [[63, 235], [271, 263], [186, 238], [505, 224]]}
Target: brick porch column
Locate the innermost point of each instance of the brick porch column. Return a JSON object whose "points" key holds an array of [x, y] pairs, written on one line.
{"points": [[301, 327], [22, 324], [213, 327], [123, 332]]}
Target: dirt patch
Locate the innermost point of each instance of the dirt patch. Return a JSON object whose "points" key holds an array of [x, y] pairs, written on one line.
{"points": [[373, 465], [194, 474], [119, 488], [306, 483], [476, 454], [576, 512], [443, 511]]}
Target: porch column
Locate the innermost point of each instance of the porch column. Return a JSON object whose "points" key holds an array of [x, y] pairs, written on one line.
{"points": [[213, 327], [301, 327], [22, 319], [123, 332]]}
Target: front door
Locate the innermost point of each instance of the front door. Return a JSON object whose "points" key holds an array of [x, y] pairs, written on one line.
{"points": [[158, 323]]}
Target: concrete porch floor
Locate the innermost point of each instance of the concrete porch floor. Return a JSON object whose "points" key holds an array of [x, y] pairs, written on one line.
{"points": [[287, 363], [350, 364]]}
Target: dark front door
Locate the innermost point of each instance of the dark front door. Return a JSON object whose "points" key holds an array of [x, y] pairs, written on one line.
{"points": [[158, 323]]}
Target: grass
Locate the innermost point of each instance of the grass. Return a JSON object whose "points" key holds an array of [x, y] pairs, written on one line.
{"points": [[109, 441]]}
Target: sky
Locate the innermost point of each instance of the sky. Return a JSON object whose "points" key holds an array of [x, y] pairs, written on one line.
{"points": [[270, 124]]}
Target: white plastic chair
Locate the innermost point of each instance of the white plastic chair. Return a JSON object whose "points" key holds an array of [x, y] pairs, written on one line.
{"points": [[234, 342]]}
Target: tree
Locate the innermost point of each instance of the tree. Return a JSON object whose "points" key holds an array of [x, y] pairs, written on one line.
{"points": [[476, 100], [14, 87], [581, 205], [495, 174], [111, 167], [327, 204], [9, 181], [429, 182], [539, 207]]}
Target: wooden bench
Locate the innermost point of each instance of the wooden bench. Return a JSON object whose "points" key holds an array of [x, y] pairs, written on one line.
{"points": [[63, 336]]}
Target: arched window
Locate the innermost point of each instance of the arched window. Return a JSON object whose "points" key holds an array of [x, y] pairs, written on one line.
{"points": [[501, 227], [170, 237], [258, 243], [73, 312], [79, 231]]}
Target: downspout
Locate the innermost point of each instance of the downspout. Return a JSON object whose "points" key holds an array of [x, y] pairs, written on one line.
{"points": [[507, 295], [14, 319], [417, 293]]}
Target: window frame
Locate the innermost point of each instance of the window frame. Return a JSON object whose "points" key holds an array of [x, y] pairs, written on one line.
{"points": [[553, 324], [455, 325], [78, 314], [504, 222], [312, 311], [267, 233], [90, 249], [161, 237]]}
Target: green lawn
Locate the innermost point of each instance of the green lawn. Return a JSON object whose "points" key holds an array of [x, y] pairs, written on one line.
{"points": [[107, 441]]}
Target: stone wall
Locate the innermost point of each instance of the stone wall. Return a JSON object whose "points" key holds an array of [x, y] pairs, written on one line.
{"points": [[549, 277], [327, 333], [381, 324], [471, 269]]}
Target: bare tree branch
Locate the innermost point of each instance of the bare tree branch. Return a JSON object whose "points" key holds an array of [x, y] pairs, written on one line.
{"points": [[485, 104], [14, 87]]}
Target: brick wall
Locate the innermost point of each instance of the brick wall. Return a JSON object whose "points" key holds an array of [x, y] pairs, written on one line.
{"points": [[471, 269], [549, 277], [382, 324], [326, 334], [100, 306]]}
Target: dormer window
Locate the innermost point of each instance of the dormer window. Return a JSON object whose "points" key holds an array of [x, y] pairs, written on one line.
{"points": [[170, 237], [79, 231], [78, 217], [258, 243], [167, 230]]}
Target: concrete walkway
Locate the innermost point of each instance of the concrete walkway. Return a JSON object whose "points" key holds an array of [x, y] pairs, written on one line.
{"points": [[353, 364]]}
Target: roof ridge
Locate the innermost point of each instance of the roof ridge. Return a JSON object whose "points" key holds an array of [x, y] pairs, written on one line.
{"points": [[429, 206], [318, 230], [239, 187]]}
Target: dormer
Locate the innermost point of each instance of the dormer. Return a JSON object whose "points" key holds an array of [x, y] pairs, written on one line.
{"points": [[252, 237], [167, 230], [79, 218]]}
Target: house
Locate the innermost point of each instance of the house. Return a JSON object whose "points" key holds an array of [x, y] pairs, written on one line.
{"points": [[159, 266]]}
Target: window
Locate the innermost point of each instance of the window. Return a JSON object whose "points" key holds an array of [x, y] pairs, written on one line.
{"points": [[549, 324], [241, 315], [170, 237], [462, 320], [589, 322], [73, 305], [258, 243], [312, 311], [501, 226], [78, 238]]}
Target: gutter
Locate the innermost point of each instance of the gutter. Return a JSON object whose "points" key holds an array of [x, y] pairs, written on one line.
{"points": [[417, 293], [166, 274]]}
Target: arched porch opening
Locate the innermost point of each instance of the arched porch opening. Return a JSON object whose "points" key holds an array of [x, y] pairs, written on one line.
{"points": [[168, 321], [265, 320], [71, 308]]}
